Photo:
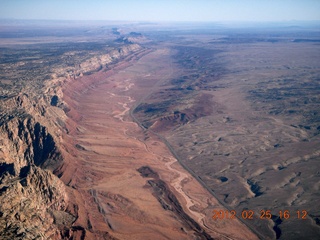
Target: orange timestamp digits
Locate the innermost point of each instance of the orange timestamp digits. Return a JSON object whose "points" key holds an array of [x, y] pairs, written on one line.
{"points": [[299, 214], [224, 214], [264, 214], [231, 214]]}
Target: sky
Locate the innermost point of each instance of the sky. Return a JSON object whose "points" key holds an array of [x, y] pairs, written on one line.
{"points": [[163, 10]]}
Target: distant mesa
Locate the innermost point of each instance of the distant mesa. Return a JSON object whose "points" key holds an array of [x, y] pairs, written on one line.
{"points": [[132, 37], [123, 40], [115, 31], [306, 40], [135, 34]]}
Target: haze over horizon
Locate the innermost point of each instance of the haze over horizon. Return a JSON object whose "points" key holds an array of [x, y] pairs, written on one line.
{"points": [[166, 10]]}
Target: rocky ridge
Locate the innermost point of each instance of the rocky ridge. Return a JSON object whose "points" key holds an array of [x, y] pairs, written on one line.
{"points": [[34, 202]]}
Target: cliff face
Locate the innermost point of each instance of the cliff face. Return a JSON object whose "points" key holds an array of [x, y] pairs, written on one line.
{"points": [[95, 63], [28, 142], [29, 193], [35, 203], [33, 197], [98, 62]]}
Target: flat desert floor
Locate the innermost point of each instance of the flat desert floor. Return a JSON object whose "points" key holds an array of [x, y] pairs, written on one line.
{"points": [[137, 190], [243, 118], [259, 147]]}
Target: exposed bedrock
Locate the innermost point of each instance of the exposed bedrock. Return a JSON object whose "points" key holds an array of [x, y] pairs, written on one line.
{"points": [[30, 143], [34, 202], [32, 199]]}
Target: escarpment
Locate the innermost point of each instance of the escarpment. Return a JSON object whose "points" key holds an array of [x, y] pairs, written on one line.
{"points": [[29, 192], [34, 202], [94, 63], [30, 143]]}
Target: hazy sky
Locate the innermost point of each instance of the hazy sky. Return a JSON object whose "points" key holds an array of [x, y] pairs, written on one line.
{"points": [[162, 10]]}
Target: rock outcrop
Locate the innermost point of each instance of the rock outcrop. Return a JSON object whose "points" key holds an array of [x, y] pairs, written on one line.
{"points": [[34, 202], [94, 63], [31, 196]]}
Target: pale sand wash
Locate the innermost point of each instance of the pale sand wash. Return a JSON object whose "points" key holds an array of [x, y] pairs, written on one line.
{"points": [[114, 197]]}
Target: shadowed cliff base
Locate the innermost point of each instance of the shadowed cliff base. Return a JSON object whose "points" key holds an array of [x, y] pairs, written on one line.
{"points": [[169, 202]]}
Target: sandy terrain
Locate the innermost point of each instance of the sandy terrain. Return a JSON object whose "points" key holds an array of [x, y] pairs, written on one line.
{"points": [[244, 120], [161, 200], [258, 148], [160, 134]]}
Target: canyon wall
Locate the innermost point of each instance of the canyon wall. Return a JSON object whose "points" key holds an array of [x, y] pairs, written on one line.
{"points": [[34, 202]]}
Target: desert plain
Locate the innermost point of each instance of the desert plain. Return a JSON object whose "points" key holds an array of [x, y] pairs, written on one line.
{"points": [[162, 132]]}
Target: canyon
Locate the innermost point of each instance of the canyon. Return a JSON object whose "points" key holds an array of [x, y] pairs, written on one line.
{"points": [[123, 135]]}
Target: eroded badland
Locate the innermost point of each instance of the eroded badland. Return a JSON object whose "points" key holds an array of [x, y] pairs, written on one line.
{"points": [[138, 132]]}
